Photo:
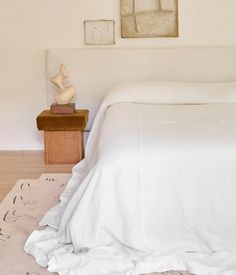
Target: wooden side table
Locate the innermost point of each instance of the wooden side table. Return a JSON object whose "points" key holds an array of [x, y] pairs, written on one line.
{"points": [[63, 136]]}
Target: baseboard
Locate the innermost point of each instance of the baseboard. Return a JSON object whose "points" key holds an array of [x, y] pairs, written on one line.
{"points": [[21, 147]]}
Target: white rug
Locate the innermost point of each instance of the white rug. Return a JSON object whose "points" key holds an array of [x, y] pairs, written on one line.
{"points": [[20, 212]]}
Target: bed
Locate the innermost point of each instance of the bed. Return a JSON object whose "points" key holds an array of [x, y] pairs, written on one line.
{"points": [[156, 190]]}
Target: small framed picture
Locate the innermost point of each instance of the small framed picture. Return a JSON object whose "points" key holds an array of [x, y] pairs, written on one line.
{"points": [[99, 32]]}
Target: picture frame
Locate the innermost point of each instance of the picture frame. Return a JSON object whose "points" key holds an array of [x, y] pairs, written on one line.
{"points": [[99, 32], [149, 18]]}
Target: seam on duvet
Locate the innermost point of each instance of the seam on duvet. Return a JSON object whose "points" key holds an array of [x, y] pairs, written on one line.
{"points": [[140, 168]]}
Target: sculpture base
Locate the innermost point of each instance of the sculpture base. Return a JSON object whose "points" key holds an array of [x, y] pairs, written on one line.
{"points": [[63, 108]]}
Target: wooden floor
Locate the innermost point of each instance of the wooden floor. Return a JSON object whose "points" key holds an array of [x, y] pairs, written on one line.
{"points": [[16, 165]]}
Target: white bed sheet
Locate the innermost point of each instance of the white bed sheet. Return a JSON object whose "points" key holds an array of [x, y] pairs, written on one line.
{"points": [[158, 193]]}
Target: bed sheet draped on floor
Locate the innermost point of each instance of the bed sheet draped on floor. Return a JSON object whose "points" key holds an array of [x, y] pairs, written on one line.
{"points": [[156, 191]]}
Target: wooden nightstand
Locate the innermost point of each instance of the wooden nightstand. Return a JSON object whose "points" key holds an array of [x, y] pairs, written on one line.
{"points": [[63, 136]]}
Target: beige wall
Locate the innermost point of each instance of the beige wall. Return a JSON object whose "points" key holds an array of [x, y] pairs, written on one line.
{"points": [[28, 27]]}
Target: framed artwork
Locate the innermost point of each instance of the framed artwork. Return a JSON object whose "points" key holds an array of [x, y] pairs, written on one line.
{"points": [[149, 18], [99, 32]]}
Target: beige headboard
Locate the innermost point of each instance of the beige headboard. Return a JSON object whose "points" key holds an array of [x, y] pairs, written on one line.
{"points": [[94, 71]]}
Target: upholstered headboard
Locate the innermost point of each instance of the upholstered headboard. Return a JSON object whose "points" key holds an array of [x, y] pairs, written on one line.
{"points": [[94, 71]]}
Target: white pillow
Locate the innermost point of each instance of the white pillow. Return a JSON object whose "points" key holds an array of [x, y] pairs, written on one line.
{"points": [[174, 92]]}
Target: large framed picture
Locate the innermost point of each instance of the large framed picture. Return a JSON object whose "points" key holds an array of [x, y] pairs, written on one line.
{"points": [[149, 18]]}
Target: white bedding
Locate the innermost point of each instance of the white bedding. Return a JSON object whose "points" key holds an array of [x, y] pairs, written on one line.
{"points": [[157, 193]]}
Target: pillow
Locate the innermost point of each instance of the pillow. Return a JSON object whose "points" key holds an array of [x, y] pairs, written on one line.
{"points": [[173, 92]]}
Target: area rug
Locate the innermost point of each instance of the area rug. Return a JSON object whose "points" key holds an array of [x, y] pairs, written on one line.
{"points": [[20, 213]]}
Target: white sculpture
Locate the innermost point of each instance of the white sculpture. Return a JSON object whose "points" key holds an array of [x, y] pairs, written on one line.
{"points": [[65, 94]]}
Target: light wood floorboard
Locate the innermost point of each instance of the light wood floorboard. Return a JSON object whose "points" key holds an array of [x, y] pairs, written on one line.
{"points": [[16, 165]]}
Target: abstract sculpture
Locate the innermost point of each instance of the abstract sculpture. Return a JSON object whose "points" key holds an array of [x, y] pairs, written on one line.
{"points": [[65, 94]]}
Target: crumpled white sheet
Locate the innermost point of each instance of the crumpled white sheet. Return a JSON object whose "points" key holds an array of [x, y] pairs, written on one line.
{"points": [[156, 192]]}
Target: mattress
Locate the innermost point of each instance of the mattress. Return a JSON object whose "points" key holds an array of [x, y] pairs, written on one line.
{"points": [[156, 192]]}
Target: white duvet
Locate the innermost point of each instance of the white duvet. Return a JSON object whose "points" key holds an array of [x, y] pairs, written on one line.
{"points": [[156, 191]]}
